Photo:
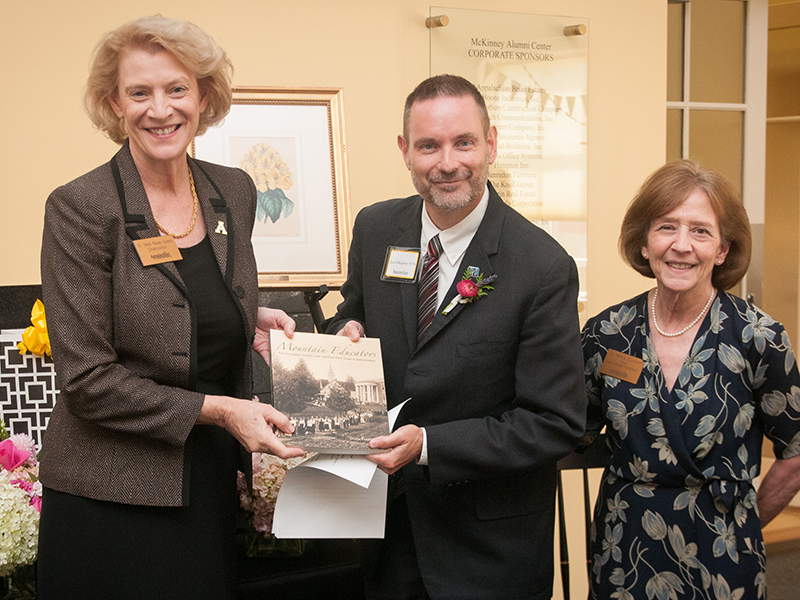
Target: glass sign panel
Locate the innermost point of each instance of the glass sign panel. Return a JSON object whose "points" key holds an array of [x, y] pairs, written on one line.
{"points": [[532, 71]]}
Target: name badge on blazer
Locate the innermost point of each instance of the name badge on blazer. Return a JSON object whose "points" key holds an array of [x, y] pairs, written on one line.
{"points": [[401, 264], [157, 250], [622, 366]]}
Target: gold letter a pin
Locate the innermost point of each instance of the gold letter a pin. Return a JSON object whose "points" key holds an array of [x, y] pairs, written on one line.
{"points": [[221, 228]]}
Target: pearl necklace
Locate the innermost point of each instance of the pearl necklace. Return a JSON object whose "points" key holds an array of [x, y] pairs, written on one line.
{"points": [[689, 326], [194, 214]]}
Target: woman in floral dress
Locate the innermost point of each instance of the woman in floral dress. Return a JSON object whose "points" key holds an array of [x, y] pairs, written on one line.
{"points": [[687, 379]]}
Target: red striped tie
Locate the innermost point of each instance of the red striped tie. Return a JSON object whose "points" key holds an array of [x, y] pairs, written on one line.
{"points": [[428, 286]]}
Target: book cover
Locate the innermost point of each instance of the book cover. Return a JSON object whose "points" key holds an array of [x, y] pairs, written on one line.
{"points": [[332, 390]]}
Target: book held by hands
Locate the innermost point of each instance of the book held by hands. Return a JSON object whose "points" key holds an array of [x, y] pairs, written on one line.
{"points": [[331, 388]]}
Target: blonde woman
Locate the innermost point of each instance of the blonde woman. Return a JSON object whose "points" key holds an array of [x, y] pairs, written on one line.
{"points": [[153, 360]]}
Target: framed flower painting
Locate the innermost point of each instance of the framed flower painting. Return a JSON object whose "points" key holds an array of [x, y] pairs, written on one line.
{"points": [[292, 143]]}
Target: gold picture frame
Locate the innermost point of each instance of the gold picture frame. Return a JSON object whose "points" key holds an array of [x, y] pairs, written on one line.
{"points": [[292, 142]]}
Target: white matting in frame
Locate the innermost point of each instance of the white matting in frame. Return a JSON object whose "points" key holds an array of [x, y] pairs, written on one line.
{"points": [[291, 142]]}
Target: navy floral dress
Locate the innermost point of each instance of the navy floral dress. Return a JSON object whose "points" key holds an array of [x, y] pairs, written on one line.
{"points": [[676, 514]]}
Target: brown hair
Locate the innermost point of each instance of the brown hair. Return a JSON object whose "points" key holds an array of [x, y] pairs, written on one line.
{"points": [[451, 86], [192, 46], [666, 189]]}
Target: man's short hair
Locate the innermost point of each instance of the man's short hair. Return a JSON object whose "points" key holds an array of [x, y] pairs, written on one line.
{"points": [[451, 86]]}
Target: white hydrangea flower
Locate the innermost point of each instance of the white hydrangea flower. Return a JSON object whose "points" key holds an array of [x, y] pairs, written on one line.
{"points": [[19, 527]]}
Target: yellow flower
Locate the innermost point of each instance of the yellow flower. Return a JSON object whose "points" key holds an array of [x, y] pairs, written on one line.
{"points": [[35, 338], [268, 170]]}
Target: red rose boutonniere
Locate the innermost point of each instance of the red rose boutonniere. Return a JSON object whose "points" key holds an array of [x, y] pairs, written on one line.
{"points": [[472, 286]]}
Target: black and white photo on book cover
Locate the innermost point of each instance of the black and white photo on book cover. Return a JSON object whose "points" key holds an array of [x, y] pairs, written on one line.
{"points": [[331, 388]]}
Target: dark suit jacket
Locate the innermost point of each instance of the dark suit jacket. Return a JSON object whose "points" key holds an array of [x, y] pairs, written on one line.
{"points": [[124, 336], [497, 385]]}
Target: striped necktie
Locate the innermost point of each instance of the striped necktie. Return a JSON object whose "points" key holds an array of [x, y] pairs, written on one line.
{"points": [[428, 286]]}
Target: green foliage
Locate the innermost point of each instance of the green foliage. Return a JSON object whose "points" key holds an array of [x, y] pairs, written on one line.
{"points": [[339, 399], [292, 390], [20, 585], [273, 204]]}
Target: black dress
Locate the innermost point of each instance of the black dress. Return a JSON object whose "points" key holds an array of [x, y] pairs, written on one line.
{"points": [[93, 549]]}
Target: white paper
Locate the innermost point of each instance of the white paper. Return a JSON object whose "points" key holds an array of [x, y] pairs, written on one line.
{"points": [[333, 496], [317, 504], [359, 472], [394, 412]]}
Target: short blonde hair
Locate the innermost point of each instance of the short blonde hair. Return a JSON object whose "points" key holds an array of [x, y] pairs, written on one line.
{"points": [[192, 46], [666, 189]]}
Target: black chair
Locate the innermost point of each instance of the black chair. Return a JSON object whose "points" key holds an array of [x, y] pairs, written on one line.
{"points": [[595, 456], [16, 302]]}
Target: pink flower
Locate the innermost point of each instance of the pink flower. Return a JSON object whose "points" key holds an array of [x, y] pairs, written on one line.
{"points": [[31, 489], [467, 288], [10, 456], [23, 485], [25, 442]]}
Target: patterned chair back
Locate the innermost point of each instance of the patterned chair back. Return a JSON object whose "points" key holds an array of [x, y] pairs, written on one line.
{"points": [[27, 389]]}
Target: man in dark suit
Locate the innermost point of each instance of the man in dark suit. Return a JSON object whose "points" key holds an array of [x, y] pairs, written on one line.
{"points": [[494, 384]]}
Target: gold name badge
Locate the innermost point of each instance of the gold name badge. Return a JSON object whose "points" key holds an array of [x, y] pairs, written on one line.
{"points": [[622, 366], [157, 250]]}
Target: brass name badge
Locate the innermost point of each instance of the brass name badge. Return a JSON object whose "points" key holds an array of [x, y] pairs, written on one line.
{"points": [[622, 366], [157, 250]]}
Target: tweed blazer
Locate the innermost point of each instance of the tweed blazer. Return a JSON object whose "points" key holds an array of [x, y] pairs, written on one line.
{"points": [[497, 384], [124, 336]]}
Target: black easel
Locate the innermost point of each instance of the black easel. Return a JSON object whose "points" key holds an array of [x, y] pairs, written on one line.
{"points": [[312, 299]]}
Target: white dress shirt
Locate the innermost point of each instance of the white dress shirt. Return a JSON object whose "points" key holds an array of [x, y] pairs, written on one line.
{"points": [[454, 242]]}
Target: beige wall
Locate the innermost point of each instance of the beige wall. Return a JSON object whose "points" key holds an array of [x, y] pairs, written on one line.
{"points": [[377, 50]]}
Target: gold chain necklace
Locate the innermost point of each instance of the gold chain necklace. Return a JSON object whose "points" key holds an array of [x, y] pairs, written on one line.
{"points": [[689, 326], [194, 214]]}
